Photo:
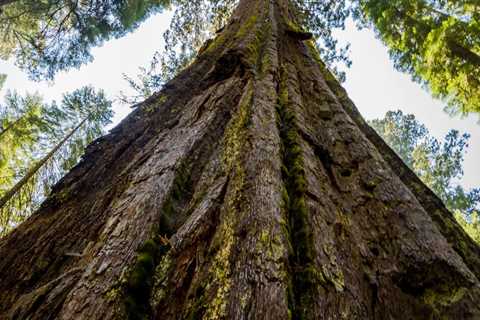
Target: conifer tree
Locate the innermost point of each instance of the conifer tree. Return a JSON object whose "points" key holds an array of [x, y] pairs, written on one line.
{"points": [[436, 42], [49, 36], [20, 127], [40, 143]]}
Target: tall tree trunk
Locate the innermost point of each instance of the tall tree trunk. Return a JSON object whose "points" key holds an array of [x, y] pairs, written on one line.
{"points": [[249, 188]]}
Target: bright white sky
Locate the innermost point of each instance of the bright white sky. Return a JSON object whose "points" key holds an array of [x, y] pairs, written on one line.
{"points": [[372, 83]]}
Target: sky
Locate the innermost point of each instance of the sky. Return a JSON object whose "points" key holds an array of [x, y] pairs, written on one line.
{"points": [[372, 82]]}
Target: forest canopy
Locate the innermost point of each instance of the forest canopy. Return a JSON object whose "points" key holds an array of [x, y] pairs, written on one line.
{"points": [[436, 42], [40, 142], [49, 36]]}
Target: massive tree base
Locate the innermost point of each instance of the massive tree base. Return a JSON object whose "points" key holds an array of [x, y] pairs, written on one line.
{"points": [[249, 188]]}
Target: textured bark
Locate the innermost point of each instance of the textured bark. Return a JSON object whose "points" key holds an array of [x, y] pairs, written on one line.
{"points": [[249, 188]]}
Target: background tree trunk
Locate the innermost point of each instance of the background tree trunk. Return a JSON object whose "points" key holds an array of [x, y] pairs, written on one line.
{"points": [[37, 166], [11, 125], [249, 188]]}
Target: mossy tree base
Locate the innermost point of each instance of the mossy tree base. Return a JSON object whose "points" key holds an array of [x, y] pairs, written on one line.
{"points": [[249, 188]]}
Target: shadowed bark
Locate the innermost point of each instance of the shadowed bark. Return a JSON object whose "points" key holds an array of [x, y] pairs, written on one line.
{"points": [[249, 188]]}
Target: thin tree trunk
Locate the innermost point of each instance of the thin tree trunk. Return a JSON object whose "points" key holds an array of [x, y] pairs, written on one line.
{"points": [[464, 53], [10, 126], [33, 170], [456, 48], [249, 188]]}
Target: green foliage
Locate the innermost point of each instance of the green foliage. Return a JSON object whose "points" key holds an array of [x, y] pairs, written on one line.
{"points": [[81, 104], [470, 224], [48, 36], [192, 24], [322, 18], [437, 164], [20, 128], [148, 81], [195, 21], [40, 142], [437, 42]]}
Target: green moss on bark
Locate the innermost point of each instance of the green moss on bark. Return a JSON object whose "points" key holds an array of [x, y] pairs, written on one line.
{"points": [[234, 133], [305, 275], [140, 281]]}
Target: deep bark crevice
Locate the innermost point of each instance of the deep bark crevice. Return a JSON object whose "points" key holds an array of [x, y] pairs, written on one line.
{"points": [[175, 211], [303, 270]]}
